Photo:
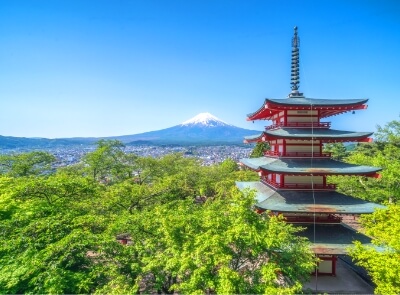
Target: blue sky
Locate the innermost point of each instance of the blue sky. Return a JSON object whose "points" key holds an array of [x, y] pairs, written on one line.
{"points": [[102, 68]]}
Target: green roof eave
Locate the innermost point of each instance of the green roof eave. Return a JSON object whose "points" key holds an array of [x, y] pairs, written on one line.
{"points": [[308, 166], [333, 239], [256, 163], [301, 101], [316, 133], [308, 133], [253, 137], [290, 201]]}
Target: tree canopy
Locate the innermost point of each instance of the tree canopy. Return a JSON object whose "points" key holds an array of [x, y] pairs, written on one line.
{"points": [[382, 261], [119, 223]]}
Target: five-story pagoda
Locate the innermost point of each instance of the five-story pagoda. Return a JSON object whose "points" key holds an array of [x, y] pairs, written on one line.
{"points": [[293, 173]]}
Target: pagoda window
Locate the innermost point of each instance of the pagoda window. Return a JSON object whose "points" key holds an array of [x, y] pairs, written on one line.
{"points": [[278, 178], [301, 148], [304, 179], [302, 112], [303, 119], [302, 142], [307, 182]]}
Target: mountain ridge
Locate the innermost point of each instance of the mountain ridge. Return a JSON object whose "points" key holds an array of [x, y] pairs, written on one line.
{"points": [[203, 129]]}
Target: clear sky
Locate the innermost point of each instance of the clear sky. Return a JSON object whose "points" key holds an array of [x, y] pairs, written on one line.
{"points": [[72, 68]]}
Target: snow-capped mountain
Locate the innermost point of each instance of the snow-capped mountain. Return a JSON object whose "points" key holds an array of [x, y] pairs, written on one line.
{"points": [[205, 119], [203, 129]]}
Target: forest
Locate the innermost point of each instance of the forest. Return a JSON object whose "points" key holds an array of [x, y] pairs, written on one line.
{"points": [[119, 223]]}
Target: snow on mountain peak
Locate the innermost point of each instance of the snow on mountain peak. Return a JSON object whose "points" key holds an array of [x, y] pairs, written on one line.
{"points": [[205, 119]]}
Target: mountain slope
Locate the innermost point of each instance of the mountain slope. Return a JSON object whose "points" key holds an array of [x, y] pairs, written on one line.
{"points": [[10, 142], [201, 129]]}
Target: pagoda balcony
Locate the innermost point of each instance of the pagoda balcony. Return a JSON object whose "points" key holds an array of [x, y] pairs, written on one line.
{"points": [[277, 154], [299, 186], [299, 125], [317, 219]]}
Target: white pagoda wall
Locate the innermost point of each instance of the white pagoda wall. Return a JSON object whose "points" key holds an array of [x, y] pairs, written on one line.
{"points": [[304, 179]]}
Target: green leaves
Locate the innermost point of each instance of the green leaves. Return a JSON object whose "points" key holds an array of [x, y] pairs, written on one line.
{"points": [[33, 163], [220, 246], [338, 150], [259, 149], [188, 230], [382, 263]]}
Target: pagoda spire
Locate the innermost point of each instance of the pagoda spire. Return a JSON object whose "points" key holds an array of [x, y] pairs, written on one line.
{"points": [[295, 71]]}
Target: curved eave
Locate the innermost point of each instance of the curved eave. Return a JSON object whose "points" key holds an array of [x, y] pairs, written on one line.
{"points": [[326, 135], [333, 239], [253, 138], [303, 202], [327, 107], [360, 170], [263, 113], [256, 163], [316, 102], [312, 166], [345, 137]]}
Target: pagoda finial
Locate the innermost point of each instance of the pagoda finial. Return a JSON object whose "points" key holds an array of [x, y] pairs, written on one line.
{"points": [[295, 74]]}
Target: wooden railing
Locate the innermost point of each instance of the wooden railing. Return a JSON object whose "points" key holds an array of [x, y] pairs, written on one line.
{"points": [[318, 219], [297, 154], [300, 125], [297, 186]]}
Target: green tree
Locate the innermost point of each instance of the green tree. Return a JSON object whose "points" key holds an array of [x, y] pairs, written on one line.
{"points": [[259, 149], [390, 133], [108, 162], [220, 246], [338, 150], [380, 154], [25, 164], [54, 238], [382, 263], [189, 230]]}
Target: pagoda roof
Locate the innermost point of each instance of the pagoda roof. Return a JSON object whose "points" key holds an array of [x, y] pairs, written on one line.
{"points": [[327, 107], [290, 201], [333, 239], [316, 102], [324, 134], [309, 166]]}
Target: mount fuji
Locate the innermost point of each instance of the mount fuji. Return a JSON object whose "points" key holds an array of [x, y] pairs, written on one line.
{"points": [[203, 129]]}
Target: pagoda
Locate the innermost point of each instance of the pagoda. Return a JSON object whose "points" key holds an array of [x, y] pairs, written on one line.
{"points": [[293, 173]]}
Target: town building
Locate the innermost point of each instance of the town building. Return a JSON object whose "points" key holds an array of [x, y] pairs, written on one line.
{"points": [[293, 173]]}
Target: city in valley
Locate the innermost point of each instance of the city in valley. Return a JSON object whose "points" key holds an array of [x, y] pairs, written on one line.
{"points": [[209, 155]]}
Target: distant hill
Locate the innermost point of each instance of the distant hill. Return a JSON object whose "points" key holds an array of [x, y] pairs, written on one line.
{"points": [[203, 129], [9, 142]]}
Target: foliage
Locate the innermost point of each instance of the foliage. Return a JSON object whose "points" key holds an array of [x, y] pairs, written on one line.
{"points": [[259, 149], [385, 155], [107, 161], [218, 247], [32, 163], [382, 263], [189, 229], [338, 150], [390, 133]]}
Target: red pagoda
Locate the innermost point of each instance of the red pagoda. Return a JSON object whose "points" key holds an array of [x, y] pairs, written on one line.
{"points": [[293, 173]]}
